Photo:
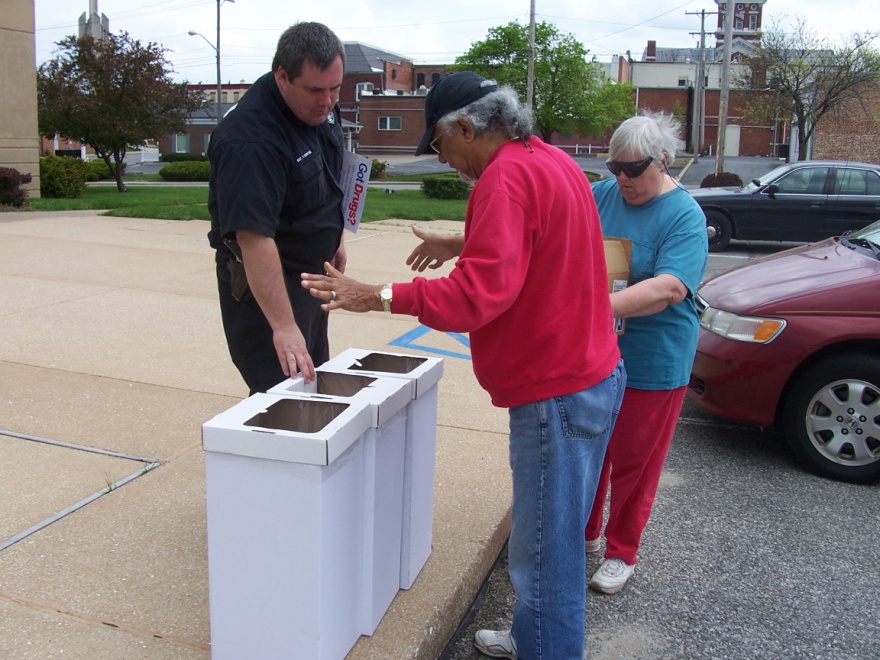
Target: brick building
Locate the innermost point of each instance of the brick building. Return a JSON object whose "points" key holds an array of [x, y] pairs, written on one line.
{"points": [[380, 91], [851, 131], [391, 123]]}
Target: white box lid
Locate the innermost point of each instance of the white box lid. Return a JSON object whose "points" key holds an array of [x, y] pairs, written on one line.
{"points": [[383, 395], [286, 429], [423, 372]]}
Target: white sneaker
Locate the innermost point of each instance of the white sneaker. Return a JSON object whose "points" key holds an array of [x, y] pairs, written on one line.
{"points": [[611, 576], [495, 643], [593, 546]]}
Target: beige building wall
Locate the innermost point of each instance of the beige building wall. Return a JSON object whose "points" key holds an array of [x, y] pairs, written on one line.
{"points": [[19, 137]]}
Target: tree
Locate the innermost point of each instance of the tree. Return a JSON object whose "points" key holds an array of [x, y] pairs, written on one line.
{"points": [[111, 94], [810, 76], [570, 92]]}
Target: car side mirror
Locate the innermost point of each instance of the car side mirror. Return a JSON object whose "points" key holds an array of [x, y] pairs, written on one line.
{"points": [[771, 190]]}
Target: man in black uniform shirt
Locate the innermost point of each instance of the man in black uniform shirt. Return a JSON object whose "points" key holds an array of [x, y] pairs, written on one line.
{"points": [[275, 205]]}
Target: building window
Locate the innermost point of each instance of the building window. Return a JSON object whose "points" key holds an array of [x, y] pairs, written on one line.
{"points": [[180, 143], [420, 80], [738, 24], [389, 123], [753, 22], [393, 74], [434, 78]]}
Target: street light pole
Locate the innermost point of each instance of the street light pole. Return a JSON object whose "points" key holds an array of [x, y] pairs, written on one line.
{"points": [[219, 86], [216, 48]]}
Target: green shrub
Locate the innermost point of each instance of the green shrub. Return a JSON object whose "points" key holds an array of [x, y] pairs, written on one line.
{"points": [[187, 171], [99, 171], [377, 169], [62, 176], [11, 180], [446, 188], [181, 158], [721, 180]]}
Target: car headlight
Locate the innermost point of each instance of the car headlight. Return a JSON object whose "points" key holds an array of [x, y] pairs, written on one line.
{"points": [[754, 329]]}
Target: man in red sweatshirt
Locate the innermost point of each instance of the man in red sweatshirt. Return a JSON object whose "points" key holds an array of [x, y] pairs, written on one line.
{"points": [[530, 286]]}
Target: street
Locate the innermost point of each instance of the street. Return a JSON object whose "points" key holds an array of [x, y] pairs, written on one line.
{"points": [[746, 554]]}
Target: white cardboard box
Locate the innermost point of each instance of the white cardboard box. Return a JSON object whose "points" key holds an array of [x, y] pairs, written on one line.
{"points": [[423, 374], [384, 448], [283, 429], [384, 397], [285, 527]]}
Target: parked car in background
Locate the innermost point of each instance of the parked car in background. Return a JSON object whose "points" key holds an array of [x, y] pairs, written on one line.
{"points": [[793, 340], [803, 201]]}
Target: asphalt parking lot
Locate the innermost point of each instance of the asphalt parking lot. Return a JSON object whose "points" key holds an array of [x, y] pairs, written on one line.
{"points": [[746, 554]]}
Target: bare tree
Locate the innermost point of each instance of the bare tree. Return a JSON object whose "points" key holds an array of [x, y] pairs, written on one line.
{"points": [[810, 76]]}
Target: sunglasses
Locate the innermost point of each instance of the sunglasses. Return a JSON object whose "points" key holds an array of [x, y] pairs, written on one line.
{"points": [[633, 170], [433, 144]]}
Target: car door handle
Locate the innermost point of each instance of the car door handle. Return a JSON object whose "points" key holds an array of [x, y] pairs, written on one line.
{"points": [[817, 205]]}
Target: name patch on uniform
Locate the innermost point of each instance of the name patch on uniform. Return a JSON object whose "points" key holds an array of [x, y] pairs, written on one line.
{"points": [[305, 155]]}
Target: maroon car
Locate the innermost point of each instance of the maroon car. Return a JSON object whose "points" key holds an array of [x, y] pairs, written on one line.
{"points": [[793, 340]]}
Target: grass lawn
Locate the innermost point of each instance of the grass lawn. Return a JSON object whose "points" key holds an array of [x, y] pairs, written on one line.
{"points": [[190, 203], [161, 202]]}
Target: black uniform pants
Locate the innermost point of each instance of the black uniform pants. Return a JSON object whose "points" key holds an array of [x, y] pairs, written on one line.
{"points": [[249, 335]]}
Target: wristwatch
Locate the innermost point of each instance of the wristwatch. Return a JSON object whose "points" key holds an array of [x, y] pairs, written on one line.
{"points": [[385, 297]]}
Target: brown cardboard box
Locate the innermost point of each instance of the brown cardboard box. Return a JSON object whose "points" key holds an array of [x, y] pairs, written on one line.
{"points": [[618, 252]]}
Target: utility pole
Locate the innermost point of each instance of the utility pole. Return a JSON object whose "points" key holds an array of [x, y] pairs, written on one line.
{"points": [[698, 129], [530, 82], [725, 88], [216, 48]]}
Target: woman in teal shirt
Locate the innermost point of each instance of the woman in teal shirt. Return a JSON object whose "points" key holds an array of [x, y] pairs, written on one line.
{"points": [[645, 204]]}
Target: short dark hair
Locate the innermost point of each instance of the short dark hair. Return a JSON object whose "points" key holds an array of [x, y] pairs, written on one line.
{"points": [[307, 42]]}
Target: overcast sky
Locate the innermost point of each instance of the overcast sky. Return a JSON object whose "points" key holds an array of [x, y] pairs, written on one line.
{"points": [[425, 32]]}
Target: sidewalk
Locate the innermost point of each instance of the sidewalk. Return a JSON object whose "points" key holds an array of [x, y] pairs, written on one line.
{"points": [[111, 357]]}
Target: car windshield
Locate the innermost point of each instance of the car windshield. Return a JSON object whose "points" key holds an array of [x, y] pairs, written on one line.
{"points": [[867, 238]]}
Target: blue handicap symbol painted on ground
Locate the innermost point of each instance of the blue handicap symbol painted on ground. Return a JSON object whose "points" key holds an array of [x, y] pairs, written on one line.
{"points": [[409, 339]]}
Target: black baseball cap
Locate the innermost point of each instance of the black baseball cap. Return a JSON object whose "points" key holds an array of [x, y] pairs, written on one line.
{"points": [[452, 92]]}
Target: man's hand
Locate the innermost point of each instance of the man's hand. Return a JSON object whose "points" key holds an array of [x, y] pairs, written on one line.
{"points": [[266, 279], [342, 292], [434, 250], [290, 345], [340, 259]]}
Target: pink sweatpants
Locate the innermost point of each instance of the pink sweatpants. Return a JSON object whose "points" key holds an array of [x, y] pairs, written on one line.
{"points": [[633, 463]]}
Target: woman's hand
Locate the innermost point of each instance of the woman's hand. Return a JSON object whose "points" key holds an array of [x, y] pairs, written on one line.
{"points": [[434, 250], [342, 292]]}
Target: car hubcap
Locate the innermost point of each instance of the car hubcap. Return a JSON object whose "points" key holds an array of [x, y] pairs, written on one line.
{"points": [[843, 422], [711, 231]]}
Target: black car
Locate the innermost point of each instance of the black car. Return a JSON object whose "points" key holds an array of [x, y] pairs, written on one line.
{"points": [[804, 201]]}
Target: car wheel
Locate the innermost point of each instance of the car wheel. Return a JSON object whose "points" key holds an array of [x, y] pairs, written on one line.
{"points": [[832, 418], [718, 230]]}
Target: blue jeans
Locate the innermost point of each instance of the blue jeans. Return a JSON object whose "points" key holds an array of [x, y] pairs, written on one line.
{"points": [[556, 451]]}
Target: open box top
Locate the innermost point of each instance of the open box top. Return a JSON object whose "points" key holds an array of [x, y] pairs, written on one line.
{"points": [[384, 396], [422, 372], [281, 428]]}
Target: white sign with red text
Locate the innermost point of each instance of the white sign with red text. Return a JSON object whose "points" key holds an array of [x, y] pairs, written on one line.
{"points": [[354, 180]]}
